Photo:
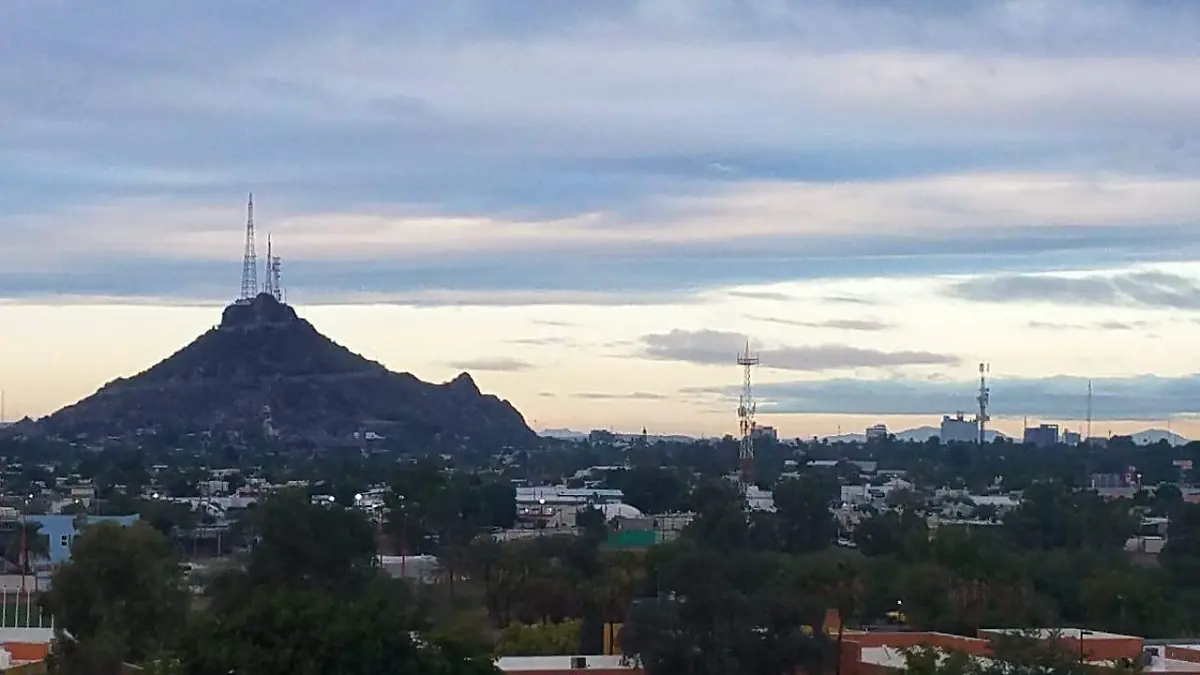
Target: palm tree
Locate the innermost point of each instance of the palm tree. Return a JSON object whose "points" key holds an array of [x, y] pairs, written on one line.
{"points": [[26, 545]]}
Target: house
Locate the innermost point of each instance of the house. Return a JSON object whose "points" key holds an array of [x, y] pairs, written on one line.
{"points": [[62, 529]]}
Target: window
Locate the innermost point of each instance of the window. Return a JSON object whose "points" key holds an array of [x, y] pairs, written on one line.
{"points": [[65, 540]]}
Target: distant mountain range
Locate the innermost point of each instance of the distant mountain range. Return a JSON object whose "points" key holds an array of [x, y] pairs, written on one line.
{"points": [[573, 435], [918, 435]]}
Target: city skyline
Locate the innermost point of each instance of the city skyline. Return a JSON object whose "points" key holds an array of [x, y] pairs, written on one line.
{"points": [[591, 207]]}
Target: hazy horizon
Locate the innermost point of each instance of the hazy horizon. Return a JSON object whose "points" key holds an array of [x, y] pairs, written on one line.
{"points": [[590, 206]]}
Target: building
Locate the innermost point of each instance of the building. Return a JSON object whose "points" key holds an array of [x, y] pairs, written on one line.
{"points": [[62, 530], [957, 429], [1042, 436], [877, 432], [1072, 437], [1102, 481], [880, 653], [606, 664], [765, 431], [555, 505]]}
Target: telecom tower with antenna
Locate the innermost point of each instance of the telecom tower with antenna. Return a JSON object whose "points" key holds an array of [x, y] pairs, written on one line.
{"points": [[746, 409], [249, 258], [271, 285], [1089, 412], [983, 398]]}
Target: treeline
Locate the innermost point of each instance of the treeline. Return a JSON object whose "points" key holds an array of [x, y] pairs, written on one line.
{"points": [[310, 599]]}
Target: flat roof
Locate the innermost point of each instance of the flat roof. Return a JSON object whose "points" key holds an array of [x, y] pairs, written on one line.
{"points": [[520, 663], [1067, 633]]}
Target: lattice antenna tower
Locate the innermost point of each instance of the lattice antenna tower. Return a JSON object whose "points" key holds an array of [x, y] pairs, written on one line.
{"points": [[250, 257], [1089, 411], [276, 285], [746, 408], [271, 285], [269, 278], [983, 398]]}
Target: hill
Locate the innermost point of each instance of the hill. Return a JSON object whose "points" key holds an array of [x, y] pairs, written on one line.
{"points": [[264, 369]]}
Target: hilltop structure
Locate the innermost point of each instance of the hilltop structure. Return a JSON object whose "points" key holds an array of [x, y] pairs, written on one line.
{"points": [[263, 356]]}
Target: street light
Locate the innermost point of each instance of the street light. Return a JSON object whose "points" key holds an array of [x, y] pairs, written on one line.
{"points": [[1083, 635]]}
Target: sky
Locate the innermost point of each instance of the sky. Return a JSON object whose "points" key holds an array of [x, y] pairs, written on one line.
{"points": [[591, 206]]}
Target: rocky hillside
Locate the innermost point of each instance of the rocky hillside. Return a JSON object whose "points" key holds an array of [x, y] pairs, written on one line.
{"points": [[266, 368]]}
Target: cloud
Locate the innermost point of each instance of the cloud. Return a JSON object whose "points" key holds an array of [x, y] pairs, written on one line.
{"points": [[603, 396], [901, 141], [848, 300], [497, 363], [836, 324], [1100, 325], [711, 347], [1060, 397], [549, 341], [1132, 289]]}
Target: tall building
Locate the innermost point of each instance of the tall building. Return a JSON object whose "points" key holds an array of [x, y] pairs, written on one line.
{"points": [[877, 432], [957, 429], [1043, 435], [764, 431]]}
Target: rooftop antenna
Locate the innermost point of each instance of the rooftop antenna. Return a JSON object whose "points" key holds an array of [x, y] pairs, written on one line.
{"points": [[746, 408], [249, 258], [1, 406], [1089, 410], [983, 398]]}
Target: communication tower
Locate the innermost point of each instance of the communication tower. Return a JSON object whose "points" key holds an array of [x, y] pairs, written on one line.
{"points": [[1089, 411], [249, 258], [269, 279], [983, 398], [746, 408], [271, 285]]}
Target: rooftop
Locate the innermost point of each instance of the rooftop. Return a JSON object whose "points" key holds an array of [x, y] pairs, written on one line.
{"points": [[524, 663]]}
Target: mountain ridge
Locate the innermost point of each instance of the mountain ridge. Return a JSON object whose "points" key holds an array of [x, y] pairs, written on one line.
{"points": [[265, 367]]}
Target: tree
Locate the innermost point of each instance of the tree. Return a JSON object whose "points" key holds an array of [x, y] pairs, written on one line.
{"points": [[26, 545], [297, 631], [543, 639], [802, 509], [720, 520], [721, 612], [1053, 516], [904, 535], [306, 545], [120, 598], [590, 521], [1010, 654]]}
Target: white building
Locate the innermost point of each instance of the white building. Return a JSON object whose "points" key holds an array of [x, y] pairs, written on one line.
{"points": [[959, 430]]}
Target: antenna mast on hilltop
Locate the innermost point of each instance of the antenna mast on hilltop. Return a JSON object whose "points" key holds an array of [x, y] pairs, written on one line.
{"points": [[746, 409], [269, 278], [276, 263], [983, 398], [271, 285], [250, 258]]}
